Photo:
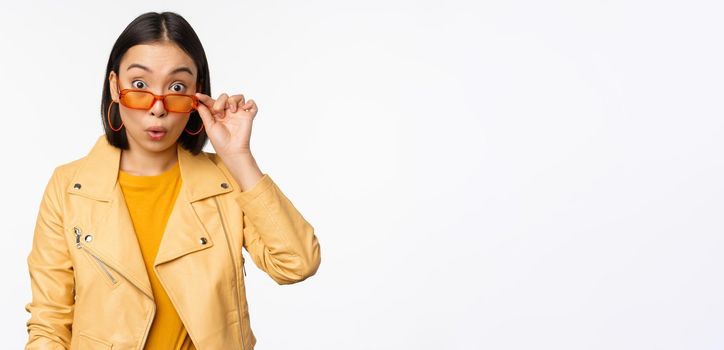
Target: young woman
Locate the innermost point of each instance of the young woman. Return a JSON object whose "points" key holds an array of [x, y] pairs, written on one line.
{"points": [[138, 244]]}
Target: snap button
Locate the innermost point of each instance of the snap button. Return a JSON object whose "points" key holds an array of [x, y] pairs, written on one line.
{"points": [[202, 240], [88, 238], [76, 186], [224, 185]]}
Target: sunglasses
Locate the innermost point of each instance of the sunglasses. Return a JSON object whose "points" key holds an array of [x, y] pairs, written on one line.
{"points": [[141, 99]]}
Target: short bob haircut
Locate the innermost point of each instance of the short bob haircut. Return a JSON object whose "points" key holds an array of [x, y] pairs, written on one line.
{"points": [[150, 28]]}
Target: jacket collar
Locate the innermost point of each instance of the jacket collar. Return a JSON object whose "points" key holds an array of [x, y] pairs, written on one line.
{"points": [[115, 242], [98, 175]]}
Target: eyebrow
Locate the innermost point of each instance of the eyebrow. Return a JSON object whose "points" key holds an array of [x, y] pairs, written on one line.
{"points": [[177, 70]]}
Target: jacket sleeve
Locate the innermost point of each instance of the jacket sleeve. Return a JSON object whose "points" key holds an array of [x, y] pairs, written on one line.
{"points": [[278, 238], [51, 276]]}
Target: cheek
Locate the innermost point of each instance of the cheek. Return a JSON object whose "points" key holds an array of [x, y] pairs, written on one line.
{"points": [[178, 121], [131, 117]]}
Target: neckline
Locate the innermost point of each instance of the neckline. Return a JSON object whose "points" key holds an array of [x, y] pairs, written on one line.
{"points": [[173, 169]]}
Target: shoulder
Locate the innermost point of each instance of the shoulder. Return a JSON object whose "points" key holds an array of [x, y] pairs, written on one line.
{"points": [[64, 172], [57, 183], [216, 159], [213, 156]]}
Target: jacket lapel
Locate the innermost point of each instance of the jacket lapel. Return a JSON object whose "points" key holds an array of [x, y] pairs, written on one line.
{"points": [[114, 238]]}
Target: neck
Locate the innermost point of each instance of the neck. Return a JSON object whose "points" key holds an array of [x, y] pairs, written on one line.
{"points": [[143, 162]]}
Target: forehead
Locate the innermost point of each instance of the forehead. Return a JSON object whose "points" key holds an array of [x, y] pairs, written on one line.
{"points": [[161, 59]]}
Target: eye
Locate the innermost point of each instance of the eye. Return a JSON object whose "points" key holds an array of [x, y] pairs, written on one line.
{"points": [[182, 87], [136, 86]]}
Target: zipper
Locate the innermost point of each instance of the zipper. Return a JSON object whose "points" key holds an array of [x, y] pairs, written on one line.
{"points": [[105, 269], [233, 260], [95, 257], [78, 245]]}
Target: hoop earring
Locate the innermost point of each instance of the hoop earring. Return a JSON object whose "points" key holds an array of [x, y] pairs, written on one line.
{"points": [[198, 131], [109, 118]]}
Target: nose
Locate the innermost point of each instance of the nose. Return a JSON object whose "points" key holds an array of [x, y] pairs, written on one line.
{"points": [[158, 108]]}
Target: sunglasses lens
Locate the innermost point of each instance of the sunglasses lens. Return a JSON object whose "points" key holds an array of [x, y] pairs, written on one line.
{"points": [[137, 99], [180, 104]]}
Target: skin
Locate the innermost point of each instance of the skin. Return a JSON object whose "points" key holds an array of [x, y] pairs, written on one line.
{"points": [[227, 119]]}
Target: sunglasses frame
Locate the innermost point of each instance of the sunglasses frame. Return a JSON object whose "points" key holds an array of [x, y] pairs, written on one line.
{"points": [[123, 92]]}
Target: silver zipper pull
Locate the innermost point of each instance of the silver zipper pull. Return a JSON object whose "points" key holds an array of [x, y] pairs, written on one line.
{"points": [[77, 236]]}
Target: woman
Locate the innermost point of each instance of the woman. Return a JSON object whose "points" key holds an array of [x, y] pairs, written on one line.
{"points": [[138, 244]]}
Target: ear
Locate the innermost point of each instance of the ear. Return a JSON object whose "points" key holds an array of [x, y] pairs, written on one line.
{"points": [[113, 85]]}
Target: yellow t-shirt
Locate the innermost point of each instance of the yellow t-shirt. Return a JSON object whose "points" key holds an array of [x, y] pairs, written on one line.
{"points": [[150, 200]]}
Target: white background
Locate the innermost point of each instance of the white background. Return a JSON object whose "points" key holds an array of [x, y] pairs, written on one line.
{"points": [[480, 175]]}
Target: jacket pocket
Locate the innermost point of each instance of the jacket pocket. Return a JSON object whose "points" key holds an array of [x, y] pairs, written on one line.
{"points": [[91, 342], [100, 266]]}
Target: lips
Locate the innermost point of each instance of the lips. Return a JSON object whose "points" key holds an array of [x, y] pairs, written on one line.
{"points": [[156, 129], [156, 133]]}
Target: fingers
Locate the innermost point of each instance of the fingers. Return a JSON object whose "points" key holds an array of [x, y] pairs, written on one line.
{"points": [[224, 102], [250, 106], [234, 101], [219, 106], [205, 99]]}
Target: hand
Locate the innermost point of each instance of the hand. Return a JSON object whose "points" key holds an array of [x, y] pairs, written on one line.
{"points": [[227, 121]]}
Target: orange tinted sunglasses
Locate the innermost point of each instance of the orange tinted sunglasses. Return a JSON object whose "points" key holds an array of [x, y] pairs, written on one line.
{"points": [[141, 99]]}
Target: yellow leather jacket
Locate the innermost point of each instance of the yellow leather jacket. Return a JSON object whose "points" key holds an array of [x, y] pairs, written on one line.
{"points": [[90, 287]]}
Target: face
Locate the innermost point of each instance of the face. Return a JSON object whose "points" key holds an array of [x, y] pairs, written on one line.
{"points": [[161, 69]]}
